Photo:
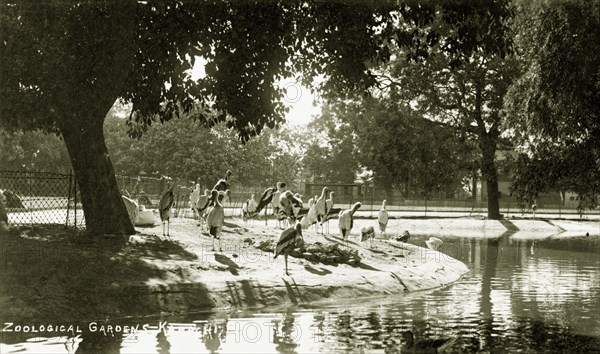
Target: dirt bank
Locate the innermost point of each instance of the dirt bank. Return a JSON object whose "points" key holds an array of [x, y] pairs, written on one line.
{"points": [[51, 274]]}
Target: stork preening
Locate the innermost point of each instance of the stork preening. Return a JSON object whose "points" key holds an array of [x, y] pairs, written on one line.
{"points": [[164, 206], [288, 240], [311, 217], [367, 233], [382, 219], [346, 220], [321, 208], [287, 203], [223, 183], [215, 219], [434, 243], [201, 207]]}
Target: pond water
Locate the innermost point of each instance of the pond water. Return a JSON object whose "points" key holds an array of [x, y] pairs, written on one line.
{"points": [[521, 295]]}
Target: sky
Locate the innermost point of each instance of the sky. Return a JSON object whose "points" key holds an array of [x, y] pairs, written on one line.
{"points": [[298, 98]]}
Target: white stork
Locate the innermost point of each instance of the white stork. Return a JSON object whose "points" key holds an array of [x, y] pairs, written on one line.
{"points": [[382, 218], [328, 206], [311, 217], [287, 202], [346, 220], [321, 207]]}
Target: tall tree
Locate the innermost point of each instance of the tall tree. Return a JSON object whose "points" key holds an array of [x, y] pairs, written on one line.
{"points": [[554, 107], [466, 94], [64, 63]]}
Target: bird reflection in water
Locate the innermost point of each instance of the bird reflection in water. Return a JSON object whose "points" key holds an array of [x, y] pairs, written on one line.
{"points": [[214, 335], [284, 337]]}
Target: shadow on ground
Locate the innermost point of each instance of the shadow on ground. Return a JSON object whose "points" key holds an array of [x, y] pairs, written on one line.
{"points": [[51, 274]]}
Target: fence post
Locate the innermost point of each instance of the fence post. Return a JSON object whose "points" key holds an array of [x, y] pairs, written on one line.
{"points": [[425, 207], [75, 200], [69, 198]]}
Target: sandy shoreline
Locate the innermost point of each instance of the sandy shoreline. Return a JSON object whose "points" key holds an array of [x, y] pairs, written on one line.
{"points": [[52, 273]]}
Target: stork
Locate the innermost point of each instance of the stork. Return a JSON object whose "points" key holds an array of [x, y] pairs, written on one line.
{"points": [[434, 243], [265, 199], [321, 207], [328, 206], [289, 238], [215, 218], [404, 237], [223, 183], [311, 217], [249, 208], [164, 206], [367, 233], [194, 196], [346, 220], [287, 202], [276, 197], [202, 205], [382, 218]]}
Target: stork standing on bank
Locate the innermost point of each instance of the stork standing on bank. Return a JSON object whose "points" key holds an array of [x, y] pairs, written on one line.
{"points": [[287, 202], [194, 196], [223, 183], [288, 240], [311, 217], [215, 219], [275, 203], [382, 219], [321, 207], [346, 220], [164, 207], [265, 199], [328, 206], [201, 207], [367, 233], [249, 208]]}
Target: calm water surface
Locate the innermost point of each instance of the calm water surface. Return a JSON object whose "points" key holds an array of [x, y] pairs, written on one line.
{"points": [[521, 295]]}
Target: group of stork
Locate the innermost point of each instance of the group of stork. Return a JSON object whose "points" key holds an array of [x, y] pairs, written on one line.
{"points": [[287, 207], [207, 207]]}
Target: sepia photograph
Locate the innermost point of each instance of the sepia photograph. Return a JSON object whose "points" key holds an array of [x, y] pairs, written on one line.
{"points": [[299, 176]]}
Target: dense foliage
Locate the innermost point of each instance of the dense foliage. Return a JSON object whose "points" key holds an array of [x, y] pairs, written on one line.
{"points": [[553, 110]]}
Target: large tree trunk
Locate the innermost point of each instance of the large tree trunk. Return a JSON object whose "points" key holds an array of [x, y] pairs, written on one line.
{"points": [[103, 206], [490, 174], [87, 89]]}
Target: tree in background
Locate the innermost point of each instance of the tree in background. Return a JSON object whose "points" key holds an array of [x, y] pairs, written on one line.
{"points": [[33, 151], [554, 107], [466, 94], [404, 151], [331, 153], [64, 64], [197, 153]]}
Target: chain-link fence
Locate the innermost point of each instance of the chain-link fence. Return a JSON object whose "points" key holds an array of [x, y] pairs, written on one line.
{"points": [[51, 198], [41, 198]]}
